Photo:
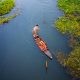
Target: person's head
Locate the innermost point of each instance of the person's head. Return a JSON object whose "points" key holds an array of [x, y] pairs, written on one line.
{"points": [[37, 25]]}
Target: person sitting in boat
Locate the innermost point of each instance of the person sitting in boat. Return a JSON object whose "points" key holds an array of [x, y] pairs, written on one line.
{"points": [[35, 29], [41, 44]]}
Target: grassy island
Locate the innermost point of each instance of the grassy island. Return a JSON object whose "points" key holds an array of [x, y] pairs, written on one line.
{"points": [[70, 24], [5, 7]]}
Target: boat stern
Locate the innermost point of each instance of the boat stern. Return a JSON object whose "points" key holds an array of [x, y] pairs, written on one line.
{"points": [[48, 54]]}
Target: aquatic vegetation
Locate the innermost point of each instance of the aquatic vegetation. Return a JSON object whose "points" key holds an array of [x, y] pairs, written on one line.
{"points": [[7, 19], [73, 42], [72, 62], [69, 6], [70, 24], [61, 58], [6, 6]]}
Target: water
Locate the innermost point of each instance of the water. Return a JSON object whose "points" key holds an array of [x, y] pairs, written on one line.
{"points": [[20, 59]]}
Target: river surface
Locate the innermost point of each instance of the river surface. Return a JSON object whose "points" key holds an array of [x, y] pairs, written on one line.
{"points": [[20, 58]]}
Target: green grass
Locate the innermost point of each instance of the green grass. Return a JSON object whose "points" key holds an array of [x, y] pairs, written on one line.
{"points": [[6, 6], [70, 24], [67, 25], [7, 19], [73, 62], [69, 6]]}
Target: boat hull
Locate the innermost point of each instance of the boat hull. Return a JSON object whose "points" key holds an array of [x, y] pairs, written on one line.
{"points": [[48, 54], [40, 42], [46, 50]]}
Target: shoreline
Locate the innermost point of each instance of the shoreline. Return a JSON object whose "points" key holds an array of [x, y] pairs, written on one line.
{"points": [[6, 10], [69, 23]]}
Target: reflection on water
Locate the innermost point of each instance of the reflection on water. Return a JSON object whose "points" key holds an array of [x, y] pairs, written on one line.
{"points": [[20, 58]]}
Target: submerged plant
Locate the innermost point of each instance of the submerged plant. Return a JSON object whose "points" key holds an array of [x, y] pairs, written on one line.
{"points": [[7, 19]]}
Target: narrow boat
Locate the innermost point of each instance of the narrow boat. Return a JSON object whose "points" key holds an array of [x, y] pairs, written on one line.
{"points": [[40, 42]]}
